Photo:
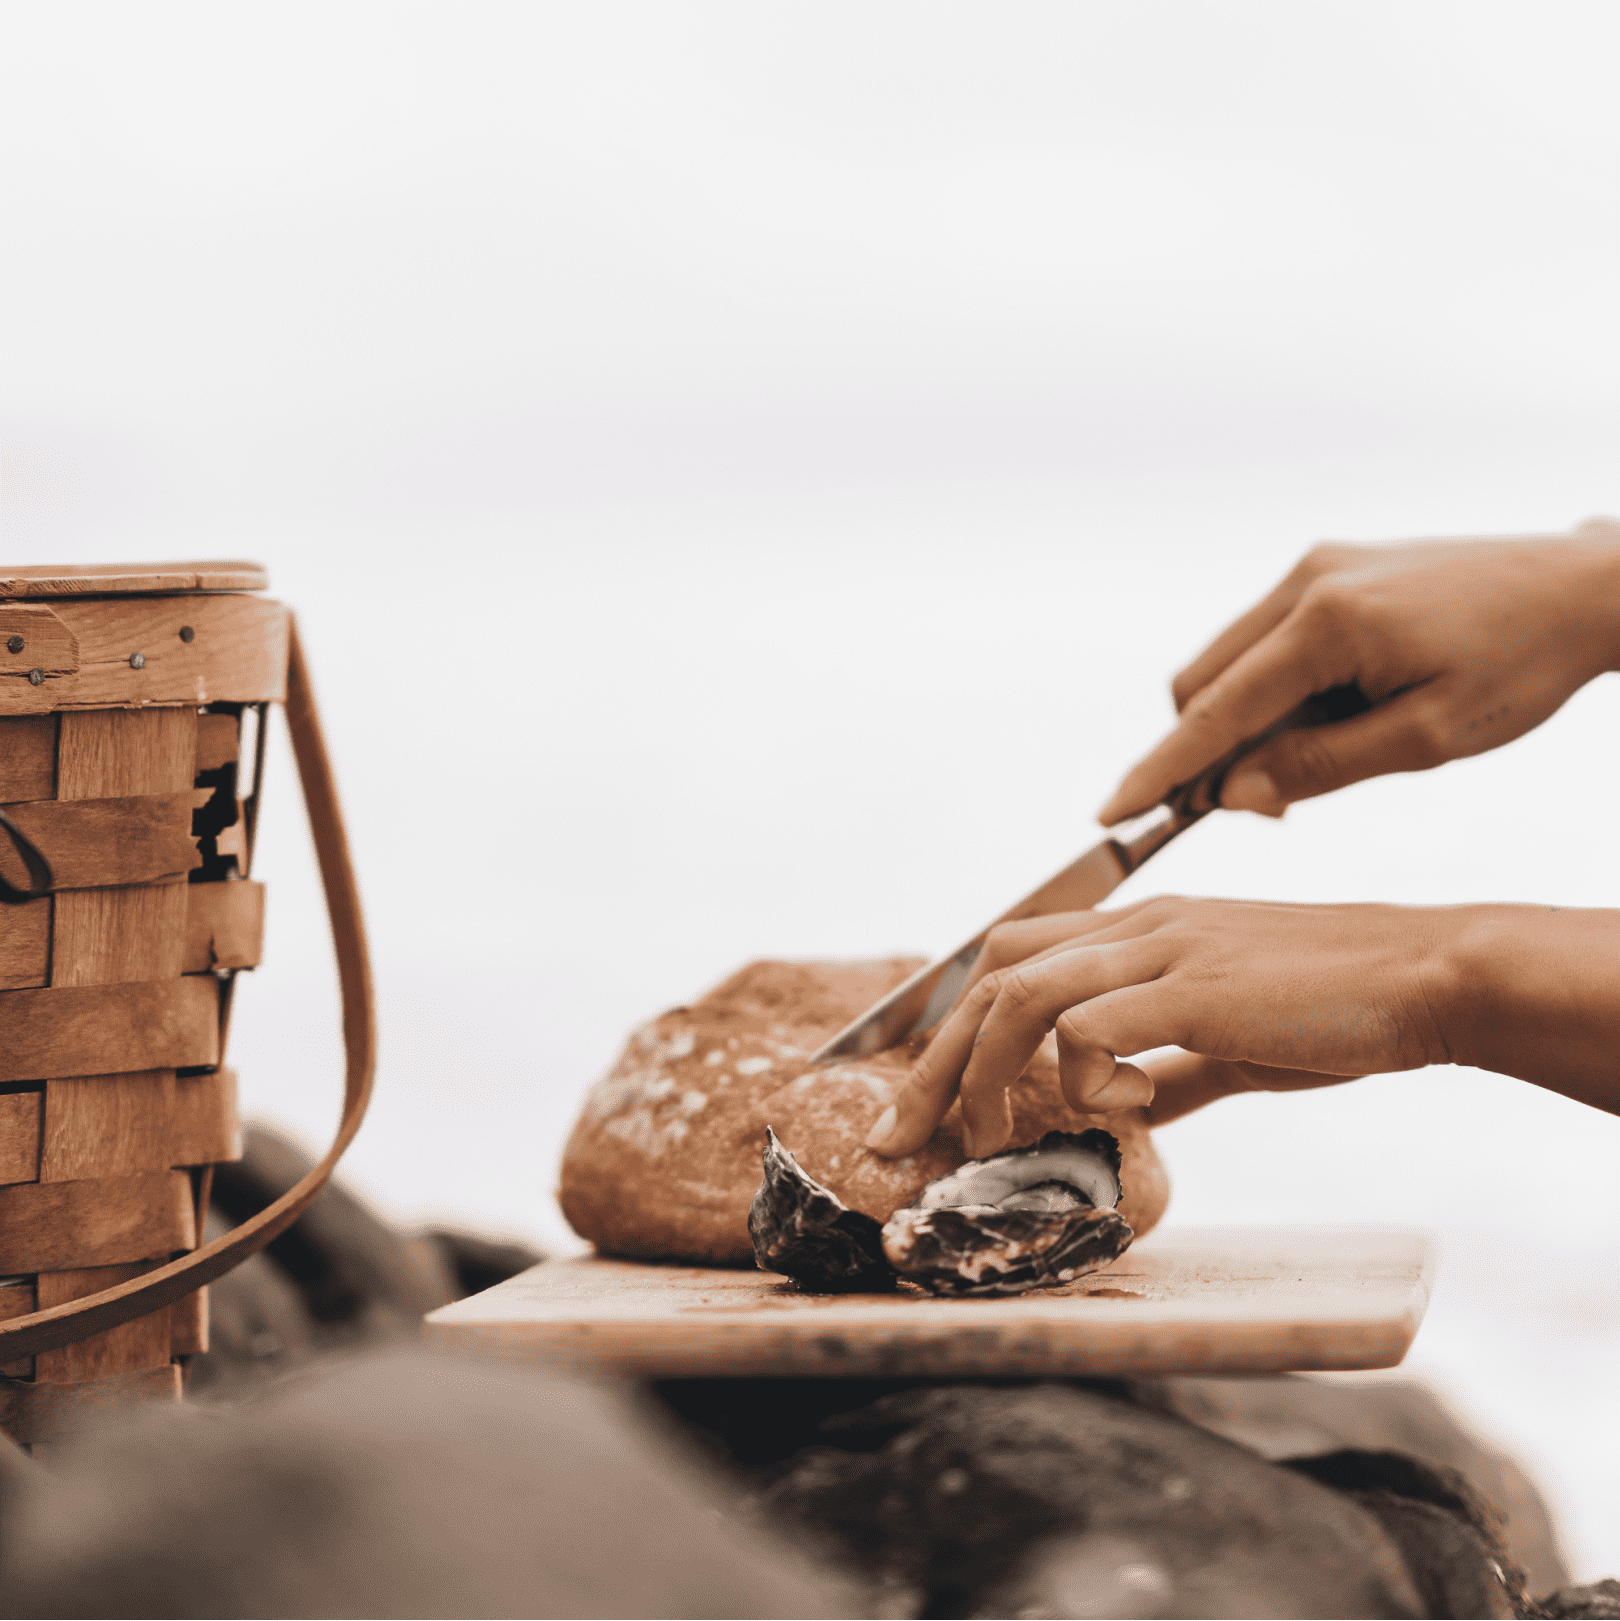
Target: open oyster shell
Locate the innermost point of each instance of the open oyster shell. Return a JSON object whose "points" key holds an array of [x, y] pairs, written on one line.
{"points": [[800, 1228], [1024, 1219]]}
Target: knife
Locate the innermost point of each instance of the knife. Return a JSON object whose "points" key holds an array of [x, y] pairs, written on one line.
{"points": [[921, 1001]]}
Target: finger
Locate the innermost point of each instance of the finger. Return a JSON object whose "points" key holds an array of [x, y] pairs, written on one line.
{"points": [[1029, 1001], [1264, 617], [1236, 639], [1108, 1086], [1009, 943], [921, 1103], [934, 1081], [1183, 1082], [1029, 939], [1405, 734], [960, 1031], [1090, 1038], [1260, 688]]}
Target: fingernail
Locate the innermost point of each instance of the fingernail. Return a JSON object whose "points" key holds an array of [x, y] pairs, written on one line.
{"points": [[884, 1129], [1250, 789]]}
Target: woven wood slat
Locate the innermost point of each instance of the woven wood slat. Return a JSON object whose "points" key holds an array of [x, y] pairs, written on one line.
{"points": [[27, 757], [20, 1116], [116, 1125], [55, 1226], [34, 1413], [188, 1320], [25, 946], [218, 741], [109, 1029], [224, 926], [114, 753], [92, 843], [143, 1343], [119, 936]]}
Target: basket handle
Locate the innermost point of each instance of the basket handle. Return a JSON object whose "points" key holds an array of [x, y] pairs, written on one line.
{"points": [[65, 1324]]}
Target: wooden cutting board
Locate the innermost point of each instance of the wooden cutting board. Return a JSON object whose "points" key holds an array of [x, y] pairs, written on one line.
{"points": [[1207, 1300]]}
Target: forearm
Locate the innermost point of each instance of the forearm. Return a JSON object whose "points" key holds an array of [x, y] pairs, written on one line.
{"points": [[1593, 578], [1534, 991]]}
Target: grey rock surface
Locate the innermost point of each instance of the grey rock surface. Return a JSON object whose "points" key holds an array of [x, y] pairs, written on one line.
{"points": [[1055, 1499], [340, 1277], [1288, 1416], [396, 1483], [1592, 1601]]}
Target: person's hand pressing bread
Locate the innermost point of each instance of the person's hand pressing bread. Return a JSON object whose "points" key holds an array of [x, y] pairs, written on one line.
{"points": [[1267, 997]]}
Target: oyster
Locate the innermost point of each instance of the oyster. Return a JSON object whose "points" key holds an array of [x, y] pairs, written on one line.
{"points": [[1023, 1219], [801, 1228]]}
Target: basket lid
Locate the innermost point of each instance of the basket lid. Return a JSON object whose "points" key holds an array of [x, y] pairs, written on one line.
{"points": [[129, 579]]}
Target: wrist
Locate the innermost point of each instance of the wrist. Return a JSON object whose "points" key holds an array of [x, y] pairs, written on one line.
{"points": [[1464, 970], [1537, 995]]}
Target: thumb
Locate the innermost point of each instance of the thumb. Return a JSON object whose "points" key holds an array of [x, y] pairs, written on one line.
{"points": [[1184, 1081], [1403, 735]]}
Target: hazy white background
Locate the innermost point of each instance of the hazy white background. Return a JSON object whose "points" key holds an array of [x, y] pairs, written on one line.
{"points": [[747, 474]]}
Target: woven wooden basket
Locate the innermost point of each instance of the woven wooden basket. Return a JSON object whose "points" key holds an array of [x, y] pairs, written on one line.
{"points": [[133, 707]]}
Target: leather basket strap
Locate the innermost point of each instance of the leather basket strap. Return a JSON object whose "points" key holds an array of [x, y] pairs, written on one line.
{"points": [[64, 1325]]}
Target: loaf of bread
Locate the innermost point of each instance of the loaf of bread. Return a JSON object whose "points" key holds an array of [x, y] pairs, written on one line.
{"points": [[665, 1157]]}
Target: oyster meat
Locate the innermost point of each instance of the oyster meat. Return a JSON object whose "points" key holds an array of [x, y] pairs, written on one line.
{"points": [[1024, 1219], [804, 1230]]}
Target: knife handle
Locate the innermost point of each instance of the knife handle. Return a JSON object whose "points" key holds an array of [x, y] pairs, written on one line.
{"points": [[1194, 800]]}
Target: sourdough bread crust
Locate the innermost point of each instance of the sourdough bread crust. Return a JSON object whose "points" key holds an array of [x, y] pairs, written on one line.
{"points": [[665, 1157]]}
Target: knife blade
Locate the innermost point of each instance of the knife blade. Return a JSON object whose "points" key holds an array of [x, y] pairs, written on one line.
{"points": [[921, 1001]]}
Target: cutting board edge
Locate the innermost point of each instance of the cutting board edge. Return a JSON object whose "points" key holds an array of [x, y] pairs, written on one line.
{"points": [[733, 1349]]}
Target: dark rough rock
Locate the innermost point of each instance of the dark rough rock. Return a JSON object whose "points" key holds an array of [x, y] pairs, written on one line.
{"points": [[1453, 1537], [1289, 1415], [1593, 1601], [808, 1233], [338, 1278], [348, 1263], [872, 1503], [477, 1263], [396, 1483], [259, 1325], [1056, 1499]]}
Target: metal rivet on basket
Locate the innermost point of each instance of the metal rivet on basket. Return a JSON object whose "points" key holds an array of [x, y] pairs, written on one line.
{"points": [[187, 634], [16, 644], [137, 661], [37, 677]]}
